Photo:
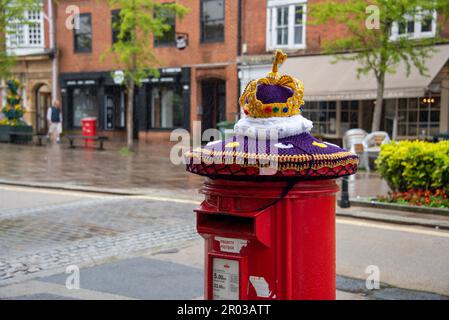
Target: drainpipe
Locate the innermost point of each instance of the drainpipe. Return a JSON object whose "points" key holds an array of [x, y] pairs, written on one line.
{"points": [[239, 51], [52, 38], [239, 27]]}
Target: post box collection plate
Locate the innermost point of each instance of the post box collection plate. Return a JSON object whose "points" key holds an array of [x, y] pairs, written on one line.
{"points": [[225, 279]]}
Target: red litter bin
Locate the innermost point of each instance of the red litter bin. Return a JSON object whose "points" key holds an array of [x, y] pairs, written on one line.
{"points": [[89, 126], [268, 218]]}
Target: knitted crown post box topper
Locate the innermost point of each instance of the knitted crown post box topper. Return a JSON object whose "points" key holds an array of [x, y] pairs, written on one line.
{"points": [[272, 104]]}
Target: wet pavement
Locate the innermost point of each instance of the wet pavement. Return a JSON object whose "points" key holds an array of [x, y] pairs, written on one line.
{"points": [[148, 170]]}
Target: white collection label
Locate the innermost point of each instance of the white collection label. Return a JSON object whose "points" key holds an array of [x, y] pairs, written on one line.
{"points": [[231, 244], [225, 279], [261, 286]]}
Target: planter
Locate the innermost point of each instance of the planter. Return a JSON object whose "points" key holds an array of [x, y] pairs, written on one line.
{"points": [[21, 129], [4, 134], [373, 203]]}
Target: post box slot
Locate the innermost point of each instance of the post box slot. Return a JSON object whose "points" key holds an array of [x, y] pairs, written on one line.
{"points": [[227, 223]]}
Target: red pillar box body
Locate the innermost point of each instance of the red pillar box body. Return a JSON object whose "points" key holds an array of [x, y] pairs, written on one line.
{"points": [[89, 126], [268, 217], [260, 245]]}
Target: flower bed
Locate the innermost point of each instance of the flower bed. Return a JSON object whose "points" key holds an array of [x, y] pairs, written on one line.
{"points": [[426, 198]]}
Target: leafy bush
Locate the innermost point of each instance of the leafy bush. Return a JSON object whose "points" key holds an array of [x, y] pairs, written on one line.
{"points": [[416, 165]]}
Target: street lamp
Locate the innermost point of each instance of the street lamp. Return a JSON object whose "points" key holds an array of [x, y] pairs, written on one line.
{"points": [[429, 101]]}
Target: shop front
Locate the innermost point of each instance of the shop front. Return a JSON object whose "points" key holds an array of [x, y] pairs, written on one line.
{"points": [[93, 95], [415, 106], [402, 118], [161, 104]]}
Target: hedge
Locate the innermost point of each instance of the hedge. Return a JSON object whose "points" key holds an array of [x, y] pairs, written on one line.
{"points": [[415, 165]]}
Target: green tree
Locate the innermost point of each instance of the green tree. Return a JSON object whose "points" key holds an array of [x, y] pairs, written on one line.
{"points": [[12, 14], [369, 24], [138, 23]]}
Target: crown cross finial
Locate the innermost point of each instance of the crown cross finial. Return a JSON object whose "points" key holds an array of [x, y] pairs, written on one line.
{"points": [[279, 58]]}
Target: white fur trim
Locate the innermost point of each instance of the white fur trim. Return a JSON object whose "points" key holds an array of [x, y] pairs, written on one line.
{"points": [[283, 146], [285, 127]]}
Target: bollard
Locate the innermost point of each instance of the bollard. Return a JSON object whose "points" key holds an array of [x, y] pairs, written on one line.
{"points": [[344, 200]]}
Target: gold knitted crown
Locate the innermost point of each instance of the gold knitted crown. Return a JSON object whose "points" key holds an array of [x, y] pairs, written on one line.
{"points": [[255, 108]]}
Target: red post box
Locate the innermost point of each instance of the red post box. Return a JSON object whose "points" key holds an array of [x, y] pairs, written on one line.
{"points": [[261, 246], [89, 126], [268, 218]]}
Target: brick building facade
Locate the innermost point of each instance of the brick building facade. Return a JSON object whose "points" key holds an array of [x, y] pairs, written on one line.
{"points": [[229, 44], [197, 83]]}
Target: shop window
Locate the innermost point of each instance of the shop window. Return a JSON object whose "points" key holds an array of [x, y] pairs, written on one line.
{"points": [[83, 34], [114, 108], [85, 101], [324, 116], [418, 117], [166, 110], [168, 37], [212, 20], [349, 115], [286, 24]]}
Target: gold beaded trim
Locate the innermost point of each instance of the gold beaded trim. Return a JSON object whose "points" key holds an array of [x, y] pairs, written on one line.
{"points": [[206, 153]]}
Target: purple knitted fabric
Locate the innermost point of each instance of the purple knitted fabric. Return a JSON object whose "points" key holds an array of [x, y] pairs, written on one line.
{"points": [[272, 93], [310, 158], [302, 144]]}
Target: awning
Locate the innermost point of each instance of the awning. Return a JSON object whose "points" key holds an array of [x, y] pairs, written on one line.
{"points": [[324, 80]]}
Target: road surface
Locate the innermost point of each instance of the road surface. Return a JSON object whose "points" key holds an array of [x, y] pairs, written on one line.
{"points": [[153, 238]]}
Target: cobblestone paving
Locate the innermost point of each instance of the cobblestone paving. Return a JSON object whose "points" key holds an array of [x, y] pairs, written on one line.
{"points": [[36, 240]]}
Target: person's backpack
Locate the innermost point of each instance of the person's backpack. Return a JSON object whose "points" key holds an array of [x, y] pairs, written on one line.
{"points": [[55, 115]]}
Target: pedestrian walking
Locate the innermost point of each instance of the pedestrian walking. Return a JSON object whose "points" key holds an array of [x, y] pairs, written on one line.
{"points": [[54, 118]]}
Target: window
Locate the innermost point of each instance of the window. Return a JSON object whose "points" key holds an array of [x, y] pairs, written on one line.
{"points": [[286, 24], [169, 36], [116, 20], [212, 20], [83, 34], [166, 108], [85, 103], [29, 34], [282, 26], [349, 115], [416, 117], [323, 114], [115, 25], [422, 25]]}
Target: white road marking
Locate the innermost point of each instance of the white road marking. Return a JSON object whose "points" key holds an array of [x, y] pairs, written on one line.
{"points": [[74, 193], [166, 199], [393, 228]]}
